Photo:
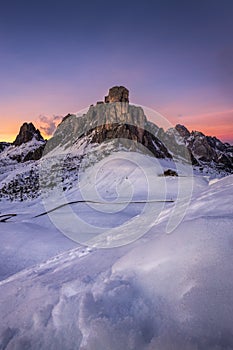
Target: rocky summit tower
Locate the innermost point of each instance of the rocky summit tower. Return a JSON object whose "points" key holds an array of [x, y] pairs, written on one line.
{"points": [[117, 94], [114, 123]]}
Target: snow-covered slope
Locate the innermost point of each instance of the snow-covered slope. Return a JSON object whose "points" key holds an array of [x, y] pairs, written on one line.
{"points": [[164, 291], [121, 188]]}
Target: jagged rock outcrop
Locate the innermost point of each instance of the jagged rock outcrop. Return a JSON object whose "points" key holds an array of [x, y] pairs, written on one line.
{"points": [[35, 154], [182, 130], [200, 147], [117, 94], [27, 133], [28, 146], [204, 150]]}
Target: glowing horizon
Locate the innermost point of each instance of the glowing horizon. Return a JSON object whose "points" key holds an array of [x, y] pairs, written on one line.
{"points": [[211, 124]]}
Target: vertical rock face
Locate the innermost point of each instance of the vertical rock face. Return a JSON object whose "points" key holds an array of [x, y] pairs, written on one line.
{"points": [[27, 133], [117, 94], [118, 122]]}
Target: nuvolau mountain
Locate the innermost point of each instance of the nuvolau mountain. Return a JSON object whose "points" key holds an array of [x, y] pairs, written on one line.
{"points": [[109, 126]]}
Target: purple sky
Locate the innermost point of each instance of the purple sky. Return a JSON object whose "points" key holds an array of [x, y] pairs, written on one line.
{"points": [[61, 56]]}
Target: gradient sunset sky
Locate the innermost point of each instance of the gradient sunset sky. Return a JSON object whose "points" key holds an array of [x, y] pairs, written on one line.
{"points": [[174, 56]]}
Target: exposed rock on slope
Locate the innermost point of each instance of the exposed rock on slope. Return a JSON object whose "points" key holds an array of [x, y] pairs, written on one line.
{"points": [[4, 145]]}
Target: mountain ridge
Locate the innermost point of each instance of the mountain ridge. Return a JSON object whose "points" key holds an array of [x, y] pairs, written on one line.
{"points": [[105, 128]]}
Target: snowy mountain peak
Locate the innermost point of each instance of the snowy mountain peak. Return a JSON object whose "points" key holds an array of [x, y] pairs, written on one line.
{"points": [[206, 152], [26, 133]]}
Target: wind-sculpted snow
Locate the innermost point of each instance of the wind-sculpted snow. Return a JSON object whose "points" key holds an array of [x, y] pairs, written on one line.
{"points": [[165, 291], [111, 196]]}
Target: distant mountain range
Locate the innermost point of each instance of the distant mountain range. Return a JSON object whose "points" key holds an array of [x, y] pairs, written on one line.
{"points": [[107, 127]]}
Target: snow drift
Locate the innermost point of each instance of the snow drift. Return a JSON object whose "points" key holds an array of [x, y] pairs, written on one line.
{"points": [[162, 292]]}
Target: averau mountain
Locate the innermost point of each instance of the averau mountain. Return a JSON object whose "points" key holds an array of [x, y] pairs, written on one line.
{"points": [[118, 237], [108, 126]]}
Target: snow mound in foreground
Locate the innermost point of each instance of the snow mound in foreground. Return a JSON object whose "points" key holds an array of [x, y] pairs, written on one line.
{"points": [[163, 292]]}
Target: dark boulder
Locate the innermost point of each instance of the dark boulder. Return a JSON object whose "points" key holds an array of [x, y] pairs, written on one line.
{"points": [[170, 172]]}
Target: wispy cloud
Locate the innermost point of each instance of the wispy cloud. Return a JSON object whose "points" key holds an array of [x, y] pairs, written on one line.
{"points": [[48, 124]]}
